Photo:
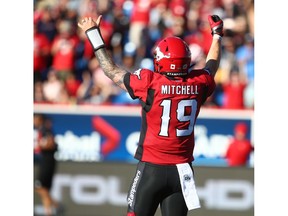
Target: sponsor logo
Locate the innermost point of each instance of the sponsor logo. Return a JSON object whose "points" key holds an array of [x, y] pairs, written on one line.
{"points": [[187, 177], [220, 194], [78, 148], [130, 198], [213, 146], [89, 189], [237, 195]]}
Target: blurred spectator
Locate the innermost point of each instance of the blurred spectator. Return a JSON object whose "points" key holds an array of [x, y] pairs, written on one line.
{"points": [[67, 10], [95, 7], [71, 85], [201, 37], [63, 49], [233, 90], [54, 89], [193, 14], [129, 57], [198, 58], [177, 7], [121, 23], [249, 96], [98, 90], [245, 57], [95, 95], [87, 8], [216, 99], [249, 9], [41, 54], [139, 19], [240, 147], [45, 20], [129, 62], [107, 31], [83, 89], [83, 53], [117, 48], [177, 28], [44, 150], [38, 93], [108, 88], [228, 59], [143, 23]]}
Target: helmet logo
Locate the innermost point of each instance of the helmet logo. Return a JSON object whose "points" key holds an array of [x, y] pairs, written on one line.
{"points": [[160, 55]]}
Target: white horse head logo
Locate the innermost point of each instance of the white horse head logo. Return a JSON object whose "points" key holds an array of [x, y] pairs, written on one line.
{"points": [[160, 55]]}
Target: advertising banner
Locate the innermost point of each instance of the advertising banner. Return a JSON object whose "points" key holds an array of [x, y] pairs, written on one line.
{"points": [[111, 133], [100, 189]]}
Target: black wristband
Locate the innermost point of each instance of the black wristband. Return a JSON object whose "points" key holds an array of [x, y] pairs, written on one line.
{"points": [[95, 38]]}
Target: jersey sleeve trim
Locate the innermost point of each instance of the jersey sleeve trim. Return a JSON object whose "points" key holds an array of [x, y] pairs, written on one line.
{"points": [[127, 85]]}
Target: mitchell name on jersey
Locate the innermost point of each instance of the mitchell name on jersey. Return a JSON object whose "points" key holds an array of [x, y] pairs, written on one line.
{"points": [[179, 89]]}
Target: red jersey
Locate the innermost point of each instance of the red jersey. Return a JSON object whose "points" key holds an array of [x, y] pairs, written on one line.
{"points": [[41, 52], [141, 11], [169, 111], [234, 96], [238, 152], [63, 59]]}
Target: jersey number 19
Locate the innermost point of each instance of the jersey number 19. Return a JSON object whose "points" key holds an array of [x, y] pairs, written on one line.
{"points": [[181, 116]]}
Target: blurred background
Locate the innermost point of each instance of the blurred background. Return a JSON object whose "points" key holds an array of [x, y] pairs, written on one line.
{"points": [[96, 125]]}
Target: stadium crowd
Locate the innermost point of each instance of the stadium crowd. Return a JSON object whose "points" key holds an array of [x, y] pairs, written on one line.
{"points": [[67, 72]]}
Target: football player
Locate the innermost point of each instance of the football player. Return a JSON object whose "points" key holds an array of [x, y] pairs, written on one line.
{"points": [[171, 97]]}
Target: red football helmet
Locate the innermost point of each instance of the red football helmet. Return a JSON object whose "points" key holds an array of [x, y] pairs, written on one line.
{"points": [[172, 57]]}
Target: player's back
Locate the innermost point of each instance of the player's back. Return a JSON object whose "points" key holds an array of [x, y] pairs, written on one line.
{"points": [[170, 109]]}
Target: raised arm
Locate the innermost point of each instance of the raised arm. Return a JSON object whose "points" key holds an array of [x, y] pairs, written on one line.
{"points": [[214, 54], [111, 70]]}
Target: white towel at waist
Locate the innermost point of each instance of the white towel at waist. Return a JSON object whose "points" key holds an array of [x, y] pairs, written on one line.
{"points": [[188, 186]]}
